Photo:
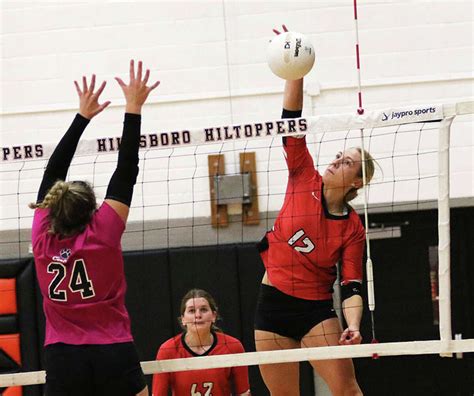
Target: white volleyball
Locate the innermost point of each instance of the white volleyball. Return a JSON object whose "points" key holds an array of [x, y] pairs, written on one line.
{"points": [[290, 55]]}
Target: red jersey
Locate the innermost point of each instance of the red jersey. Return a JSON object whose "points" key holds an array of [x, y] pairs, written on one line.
{"points": [[306, 241], [216, 382], [82, 280]]}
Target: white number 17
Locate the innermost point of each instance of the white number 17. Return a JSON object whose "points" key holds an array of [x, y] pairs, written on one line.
{"points": [[308, 244]]}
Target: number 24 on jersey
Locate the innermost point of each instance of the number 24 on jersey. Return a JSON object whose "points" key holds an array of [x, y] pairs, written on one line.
{"points": [[79, 281]]}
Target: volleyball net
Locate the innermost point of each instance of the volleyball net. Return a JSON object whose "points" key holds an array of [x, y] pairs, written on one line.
{"points": [[225, 185]]}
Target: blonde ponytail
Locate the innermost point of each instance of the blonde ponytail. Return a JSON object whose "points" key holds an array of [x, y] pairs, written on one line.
{"points": [[71, 206]]}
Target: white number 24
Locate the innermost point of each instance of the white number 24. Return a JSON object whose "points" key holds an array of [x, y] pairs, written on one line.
{"points": [[79, 281]]}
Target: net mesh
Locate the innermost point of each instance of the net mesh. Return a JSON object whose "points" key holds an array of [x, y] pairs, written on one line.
{"points": [[171, 208], [172, 191]]}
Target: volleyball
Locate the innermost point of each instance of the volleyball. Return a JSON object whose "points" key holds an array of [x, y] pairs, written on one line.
{"points": [[290, 55]]}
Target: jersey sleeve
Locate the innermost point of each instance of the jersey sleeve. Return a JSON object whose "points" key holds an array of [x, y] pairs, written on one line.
{"points": [[108, 224], [161, 381], [297, 156], [352, 255], [40, 224], [240, 375]]}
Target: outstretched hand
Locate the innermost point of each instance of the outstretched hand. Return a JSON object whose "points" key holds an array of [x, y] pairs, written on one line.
{"points": [[136, 92], [350, 337], [89, 105]]}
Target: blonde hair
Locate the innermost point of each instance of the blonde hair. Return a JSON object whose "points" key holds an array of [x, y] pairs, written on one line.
{"points": [[71, 206], [369, 164]]}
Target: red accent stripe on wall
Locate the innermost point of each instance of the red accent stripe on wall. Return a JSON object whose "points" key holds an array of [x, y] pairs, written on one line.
{"points": [[8, 296]]}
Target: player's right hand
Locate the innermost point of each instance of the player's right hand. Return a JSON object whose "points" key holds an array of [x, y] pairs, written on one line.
{"points": [[89, 105]]}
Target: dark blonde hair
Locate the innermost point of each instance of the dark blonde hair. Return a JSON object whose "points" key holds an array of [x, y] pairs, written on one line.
{"points": [[199, 293], [71, 206], [369, 163]]}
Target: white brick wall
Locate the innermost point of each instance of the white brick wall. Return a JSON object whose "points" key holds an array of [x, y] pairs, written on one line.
{"points": [[412, 52]]}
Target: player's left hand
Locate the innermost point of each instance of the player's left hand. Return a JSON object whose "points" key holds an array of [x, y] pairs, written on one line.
{"points": [[350, 337], [136, 91]]}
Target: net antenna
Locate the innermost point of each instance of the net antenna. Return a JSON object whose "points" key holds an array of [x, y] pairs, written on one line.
{"points": [[368, 267]]}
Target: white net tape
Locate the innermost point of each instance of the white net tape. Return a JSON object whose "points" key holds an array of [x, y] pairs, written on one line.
{"points": [[283, 356]]}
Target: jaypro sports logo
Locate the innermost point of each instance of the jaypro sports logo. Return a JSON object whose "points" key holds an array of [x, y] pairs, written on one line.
{"points": [[399, 115]]}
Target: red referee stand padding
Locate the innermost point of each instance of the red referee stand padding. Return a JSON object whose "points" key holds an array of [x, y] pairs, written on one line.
{"points": [[10, 345], [15, 391], [8, 296]]}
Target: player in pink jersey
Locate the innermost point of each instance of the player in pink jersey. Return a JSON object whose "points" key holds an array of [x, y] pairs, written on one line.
{"points": [[89, 347], [316, 228], [200, 338]]}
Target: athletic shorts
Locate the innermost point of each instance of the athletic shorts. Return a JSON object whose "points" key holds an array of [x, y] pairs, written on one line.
{"points": [[73, 370], [289, 316]]}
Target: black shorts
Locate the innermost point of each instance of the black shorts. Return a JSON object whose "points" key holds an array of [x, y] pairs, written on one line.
{"points": [[112, 369], [289, 316]]}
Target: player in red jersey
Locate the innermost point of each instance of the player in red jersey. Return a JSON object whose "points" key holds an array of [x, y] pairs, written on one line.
{"points": [[314, 230], [89, 347], [200, 338]]}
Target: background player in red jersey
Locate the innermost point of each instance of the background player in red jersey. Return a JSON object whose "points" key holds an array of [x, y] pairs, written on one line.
{"points": [[201, 337], [88, 344], [314, 230]]}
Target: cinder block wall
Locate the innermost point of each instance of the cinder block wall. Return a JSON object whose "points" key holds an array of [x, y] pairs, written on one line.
{"points": [[204, 51]]}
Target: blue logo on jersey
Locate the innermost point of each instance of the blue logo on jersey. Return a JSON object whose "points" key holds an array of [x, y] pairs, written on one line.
{"points": [[63, 255]]}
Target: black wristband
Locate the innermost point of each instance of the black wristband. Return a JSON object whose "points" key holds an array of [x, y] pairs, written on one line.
{"points": [[291, 113], [350, 289]]}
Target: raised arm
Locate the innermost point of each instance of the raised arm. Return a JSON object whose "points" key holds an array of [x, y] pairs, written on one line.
{"points": [[120, 189], [293, 97], [61, 158], [298, 159]]}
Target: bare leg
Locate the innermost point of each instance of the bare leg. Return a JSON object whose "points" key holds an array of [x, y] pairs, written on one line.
{"points": [[281, 379], [339, 374], [143, 392]]}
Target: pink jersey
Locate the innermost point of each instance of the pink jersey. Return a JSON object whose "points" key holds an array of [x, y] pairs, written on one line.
{"points": [[82, 280]]}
